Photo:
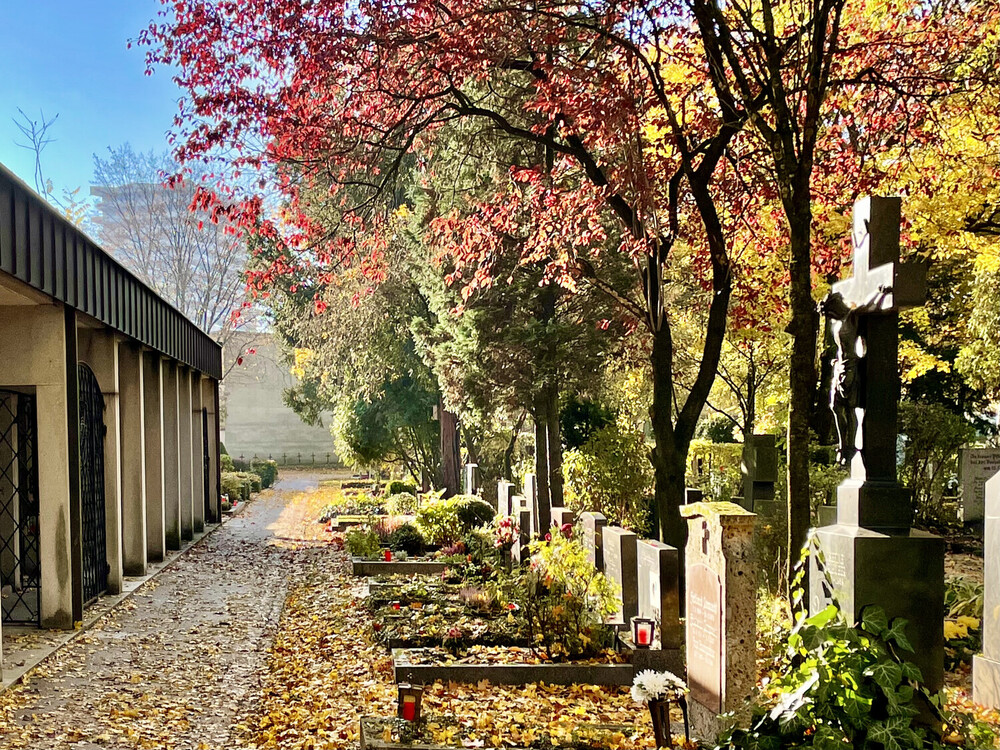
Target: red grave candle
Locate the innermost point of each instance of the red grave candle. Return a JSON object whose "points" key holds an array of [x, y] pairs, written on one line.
{"points": [[409, 707], [388, 555]]}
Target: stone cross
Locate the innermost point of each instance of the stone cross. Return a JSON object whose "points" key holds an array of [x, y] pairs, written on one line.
{"points": [[871, 556], [865, 312]]}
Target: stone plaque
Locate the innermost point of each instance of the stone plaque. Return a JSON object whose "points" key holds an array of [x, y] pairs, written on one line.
{"points": [[704, 633], [976, 466]]}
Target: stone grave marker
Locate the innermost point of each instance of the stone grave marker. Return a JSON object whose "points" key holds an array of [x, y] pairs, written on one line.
{"points": [[530, 492], [986, 666], [505, 492], [975, 466], [759, 469], [721, 612], [621, 567], [659, 590], [472, 486], [519, 552], [593, 537], [872, 555], [562, 516]]}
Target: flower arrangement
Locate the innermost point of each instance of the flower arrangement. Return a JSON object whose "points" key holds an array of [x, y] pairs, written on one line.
{"points": [[505, 532], [653, 686]]}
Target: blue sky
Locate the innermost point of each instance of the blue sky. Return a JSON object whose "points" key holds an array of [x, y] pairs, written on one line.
{"points": [[70, 58]]}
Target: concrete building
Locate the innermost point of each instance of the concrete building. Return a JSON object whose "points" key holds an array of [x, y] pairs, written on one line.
{"points": [[109, 432], [256, 421]]}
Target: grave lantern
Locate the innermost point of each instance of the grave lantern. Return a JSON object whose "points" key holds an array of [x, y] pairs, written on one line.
{"points": [[409, 701], [387, 553], [642, 632]]}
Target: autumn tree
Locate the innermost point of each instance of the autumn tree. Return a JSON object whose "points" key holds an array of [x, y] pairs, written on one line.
{"points": [[336, 88]]}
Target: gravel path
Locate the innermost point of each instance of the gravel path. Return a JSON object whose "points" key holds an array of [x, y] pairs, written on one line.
{"points": [[178, 663]]}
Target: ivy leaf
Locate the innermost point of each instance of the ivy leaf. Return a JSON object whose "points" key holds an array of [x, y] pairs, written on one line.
{"points": [[887, 675], [874, 620], [911, 671], [897, 634], [888, 733]]}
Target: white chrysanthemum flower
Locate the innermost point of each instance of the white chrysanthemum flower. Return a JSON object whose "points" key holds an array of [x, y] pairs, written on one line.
{"points": [[649, 685]]}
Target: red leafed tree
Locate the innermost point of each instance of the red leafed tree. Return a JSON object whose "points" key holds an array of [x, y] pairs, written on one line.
{"points": [[610, 101]]}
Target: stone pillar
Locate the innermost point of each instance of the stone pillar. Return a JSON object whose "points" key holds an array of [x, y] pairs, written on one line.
{"points": [[156, 541], [197, 454], [133, 458], [721, 614], [210, 403], [184, 451], [43, 365], [171, 457], [986, 666], [505, 491], [99, 349]]}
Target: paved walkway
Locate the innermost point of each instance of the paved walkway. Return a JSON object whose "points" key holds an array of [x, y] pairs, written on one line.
{"points": [[176, 665]]}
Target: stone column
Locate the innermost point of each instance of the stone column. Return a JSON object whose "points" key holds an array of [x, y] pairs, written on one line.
{"points": [[171, 457], [184, 451], [156, 542], [986, 666], [472, 479], [133, 458], [99, 349], [721, 613], [197, 454], [210, 403]]}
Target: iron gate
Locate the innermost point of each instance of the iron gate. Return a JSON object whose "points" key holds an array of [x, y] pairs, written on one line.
{"points": [[92, 431], [20, 571]]}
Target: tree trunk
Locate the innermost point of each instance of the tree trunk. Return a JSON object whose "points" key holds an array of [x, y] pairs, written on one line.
{"points": [[554, 442], [451, 452], [542, 506], [802, 381], [669, 459]]}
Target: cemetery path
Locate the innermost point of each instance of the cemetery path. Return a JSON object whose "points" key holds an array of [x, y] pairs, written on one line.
{"points": [[177, 664]]}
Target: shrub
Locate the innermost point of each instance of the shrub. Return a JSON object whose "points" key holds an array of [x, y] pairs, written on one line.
{"points": [[226, 462], [474, 512], [401, 504], [363, 542], [933, 436], [564, 599], [580, 419], [718, 429], [836, 686], [232, 485], [397, 486], [266, 470], [611, 474], [444, 521], [253, 479], [406, 539]]}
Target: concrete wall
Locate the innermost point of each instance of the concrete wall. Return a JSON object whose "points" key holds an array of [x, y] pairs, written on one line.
{"points": [[255, 418]]}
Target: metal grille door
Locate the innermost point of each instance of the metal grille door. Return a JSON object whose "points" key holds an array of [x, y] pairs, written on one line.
{"points": [[92, 430], [20, 572]]}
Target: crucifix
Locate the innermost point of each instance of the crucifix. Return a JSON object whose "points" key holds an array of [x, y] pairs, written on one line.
{"points": [[864, 310]]}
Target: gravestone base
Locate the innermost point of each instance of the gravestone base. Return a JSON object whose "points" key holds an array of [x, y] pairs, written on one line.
{"points": [[986, 681], [903, 573], [657, 659]]}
